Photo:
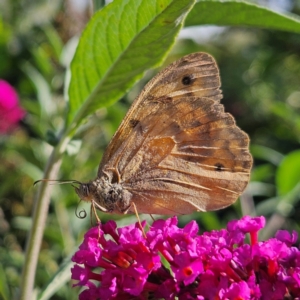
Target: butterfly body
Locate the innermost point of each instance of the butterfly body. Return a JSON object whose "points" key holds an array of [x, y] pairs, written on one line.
{"points": [[106, 196], [176, 150]]}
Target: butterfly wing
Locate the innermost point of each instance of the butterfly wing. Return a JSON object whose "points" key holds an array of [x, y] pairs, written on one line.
{"points": [[177, 151]]}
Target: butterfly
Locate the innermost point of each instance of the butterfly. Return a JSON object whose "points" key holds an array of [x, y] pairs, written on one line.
{"points": [[176, 151]]}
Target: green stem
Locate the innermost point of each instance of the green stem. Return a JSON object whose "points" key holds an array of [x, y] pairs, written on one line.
{"points": [[41, 205]]}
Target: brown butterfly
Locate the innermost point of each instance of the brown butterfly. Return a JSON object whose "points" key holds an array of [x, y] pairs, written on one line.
{"points": [[176, 151]]}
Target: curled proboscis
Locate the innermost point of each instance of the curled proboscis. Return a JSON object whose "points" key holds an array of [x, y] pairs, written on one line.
{"points": [[82, 213]]}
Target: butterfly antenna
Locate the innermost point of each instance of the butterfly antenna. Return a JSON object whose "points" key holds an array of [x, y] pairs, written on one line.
{"points": [[56, 181], [137, 215], [82, 213]]}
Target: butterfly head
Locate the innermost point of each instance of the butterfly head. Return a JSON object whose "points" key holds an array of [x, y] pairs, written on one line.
{"points": [[84, 191], [87, 192], [104, 195], [92, 192]]}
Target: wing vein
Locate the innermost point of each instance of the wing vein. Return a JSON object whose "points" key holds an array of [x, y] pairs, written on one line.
{"points": [[198, 155], [227, 190]]}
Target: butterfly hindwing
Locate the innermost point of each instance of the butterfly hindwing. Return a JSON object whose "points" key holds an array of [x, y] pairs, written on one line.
{"points": [[177, 151]]}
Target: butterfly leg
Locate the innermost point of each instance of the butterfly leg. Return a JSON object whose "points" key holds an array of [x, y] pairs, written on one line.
{"points": [[152, 218], [132, 204], [93, 211]]}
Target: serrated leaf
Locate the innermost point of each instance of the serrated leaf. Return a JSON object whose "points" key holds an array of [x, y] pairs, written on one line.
{"points": [[121, 41], [240, 13], [288, 173]]}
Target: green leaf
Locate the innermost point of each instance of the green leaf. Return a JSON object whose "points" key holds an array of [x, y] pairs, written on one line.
{"points": [[266, 153], [257, 188], [121, 41], [288, 173], [4, 290], [210, 221], [44, 96], [240, 13], [267, 207], [59, 279], [42, 60], [54, 40], [288, 114], [262, 172]]}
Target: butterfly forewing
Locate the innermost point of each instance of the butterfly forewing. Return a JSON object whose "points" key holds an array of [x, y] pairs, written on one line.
{"points": [[177, 151], [158, 91]]}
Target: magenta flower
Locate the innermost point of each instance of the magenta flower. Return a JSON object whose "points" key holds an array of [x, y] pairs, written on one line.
{"points": [[10, 111], [172, 262]]}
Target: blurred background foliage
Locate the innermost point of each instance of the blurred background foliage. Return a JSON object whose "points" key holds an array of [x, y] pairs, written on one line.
{"points": [[260, 72]]}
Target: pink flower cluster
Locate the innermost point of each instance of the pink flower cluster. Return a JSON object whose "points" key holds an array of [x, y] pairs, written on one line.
{"points": [[169, 262], [10, 111]]}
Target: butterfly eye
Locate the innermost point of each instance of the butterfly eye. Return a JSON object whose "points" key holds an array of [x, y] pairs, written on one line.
{"points": [[85, 190], [187, 80]]}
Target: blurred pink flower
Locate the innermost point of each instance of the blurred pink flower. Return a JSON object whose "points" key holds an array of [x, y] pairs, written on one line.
{"points": [[171, 263], [10, 111]]}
